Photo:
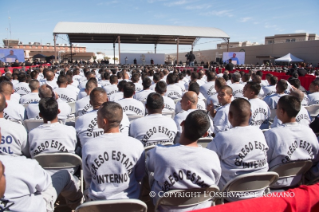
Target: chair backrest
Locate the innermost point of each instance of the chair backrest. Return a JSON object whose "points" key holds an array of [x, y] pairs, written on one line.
{"points": [[72, 105], [180, 197], [292, 168], [154, 145], [58, 160], [30, 124], [177, 100], [272, 114], [133, 117], [264, 130], [313, 110], [251, 182], [112, 205], [170, 114], [204, 141]]}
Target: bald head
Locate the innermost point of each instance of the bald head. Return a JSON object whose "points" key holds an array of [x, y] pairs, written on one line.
{"points": [[97, 97], [49, 75], [2, 102], [239, 112], [298, 94], [191, 96], [45, 91]]}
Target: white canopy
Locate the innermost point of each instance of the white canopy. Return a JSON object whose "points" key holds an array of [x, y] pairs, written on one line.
{"points": [[289, 58]]}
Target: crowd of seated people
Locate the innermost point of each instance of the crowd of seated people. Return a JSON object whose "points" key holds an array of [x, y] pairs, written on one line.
{"points": [[130, 121]]}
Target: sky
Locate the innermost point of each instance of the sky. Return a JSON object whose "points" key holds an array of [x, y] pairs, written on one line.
{"points": [[246, 20]]}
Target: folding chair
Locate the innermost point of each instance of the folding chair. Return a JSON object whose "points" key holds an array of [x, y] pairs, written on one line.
{"points": [[264, 130], [180, 198], [170, 114], [152, 146], [30, 124], [250, 182], [113, 205], [72, 105], [60, 161], [313, 110], [133, 117], [204, 141], [292, 169]]}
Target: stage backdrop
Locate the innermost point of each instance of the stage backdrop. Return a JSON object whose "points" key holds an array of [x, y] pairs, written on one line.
{"points": [[157, 58], [10, 55], [237, 57]]}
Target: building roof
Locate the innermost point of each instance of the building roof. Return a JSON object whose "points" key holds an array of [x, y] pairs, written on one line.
{"points": [[85, 32]]}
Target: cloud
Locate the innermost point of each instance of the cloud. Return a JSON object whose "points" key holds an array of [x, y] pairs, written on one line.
{"points": [[256, 22], [198, 7], [268, 26], [300, 31], [160, 15], [153, 1], [218, 13], [245, 19], [108, 3], [177, 3]]}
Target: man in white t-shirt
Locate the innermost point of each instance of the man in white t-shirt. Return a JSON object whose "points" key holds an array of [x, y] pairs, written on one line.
{"points": [[243, 148], [142, 95], [64, 93], [173, 91], [154, 128], [86, 125], [169, 104], [271, 87], [186, 165], [212, 100], [314, 92], [34, 95], [220, 115], [131, 106], [135, 79], [291, 141], [119, 94], [83, 105], [22, 87], [208, 89], [111, 89], [259, 109], [236, 86], [295, 84], [156, 79], [50, 80], [113, 163], [13, 111], [280, 91], [14, 135]]}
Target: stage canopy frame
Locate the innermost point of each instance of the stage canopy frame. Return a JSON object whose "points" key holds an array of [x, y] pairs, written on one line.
{"points": [[86, 32]]}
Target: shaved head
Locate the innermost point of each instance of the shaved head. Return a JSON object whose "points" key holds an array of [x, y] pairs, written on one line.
{"points": [[191, 96], [110, 113], [239, 111], [2, 102], [49, 75], [298, 94], [45, 91], [6, 88], [97, 97]]}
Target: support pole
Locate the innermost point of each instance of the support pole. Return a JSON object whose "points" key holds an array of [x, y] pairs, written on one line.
{"points": [[227, 44], [55, 53], [155, 45], [177, 49], [192, 46], [71, 53], [118, 38], [114, 52]]}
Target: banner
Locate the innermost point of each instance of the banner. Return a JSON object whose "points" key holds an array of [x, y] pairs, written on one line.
{"points": [[237, 58], [10, 55]]}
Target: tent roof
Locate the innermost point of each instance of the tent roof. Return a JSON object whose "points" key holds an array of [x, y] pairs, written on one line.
{"points": [[85, 32], [289, 58]]}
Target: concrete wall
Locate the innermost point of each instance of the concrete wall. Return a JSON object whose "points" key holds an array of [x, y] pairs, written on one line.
{"points": [[307, 50]]}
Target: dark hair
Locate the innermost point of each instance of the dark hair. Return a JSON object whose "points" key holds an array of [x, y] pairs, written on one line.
{"points": [[254, 86], [48, 108], [93, 95], [155, 101], [171, 78], [294, 82], [290, 104], [62, 80], [22, 77], [106, 75], [34, 84], [235, 77], [112, 112], [282, 85], [113, 79], [33, 74], [194, 75], [161, 87], [259, 73], [146, 83], [135, 77], [240, 109], [315, 82], [121, 85], [226, 77], [196, 125], [273, 80], [2, 103], [128, 89], [220, 82], [90, 84], [193, 86], [156, 77], [210, 76]]}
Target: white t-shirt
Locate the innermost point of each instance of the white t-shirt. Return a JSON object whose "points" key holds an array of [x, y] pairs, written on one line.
{"points": [[213, 100], [260, 113], [25, 180], [182, 167], [273, 99], [220, 120], [237, 90], [269, 90], [110, 89], [22, 88], [153, 129], [66, 94], [302, 118], [82, 94], [138, 87], [132, 106], [14, 111], [14, 138], [52, 83], [75, 89], [50, 138], [208, 89], [200, 106], [116, 96], [181, 85], [169, 104], [104, 83], [173, 91], [82, 84], [82, 106], [15, 97], [241, 150], [290, 142], [29, 98], [142, 95], [113, 167], [313, 98], [86, 126], [305, 101]]}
